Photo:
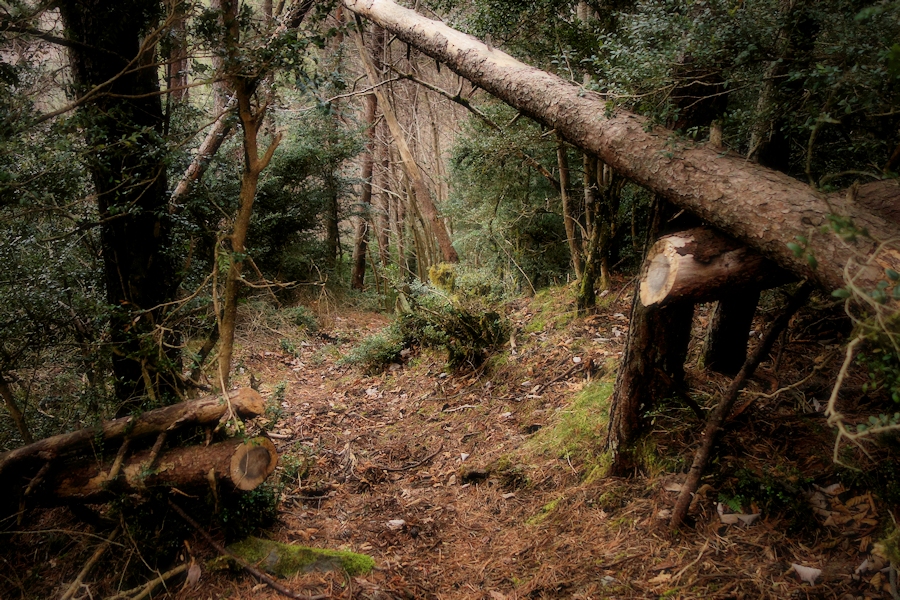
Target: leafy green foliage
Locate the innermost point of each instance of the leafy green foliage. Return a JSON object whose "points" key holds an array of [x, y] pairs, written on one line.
{"points": [[465, 321], [772, 491]]}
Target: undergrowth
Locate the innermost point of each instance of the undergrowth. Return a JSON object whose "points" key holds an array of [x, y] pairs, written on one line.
{"points": [[460, 312]]}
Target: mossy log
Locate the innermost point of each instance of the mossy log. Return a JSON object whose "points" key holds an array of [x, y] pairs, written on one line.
{"points": [[244, 402], [237, 464], [285, 560]]}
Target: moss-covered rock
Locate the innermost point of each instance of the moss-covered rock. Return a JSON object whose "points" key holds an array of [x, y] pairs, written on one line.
{"points": [[285, 560]]}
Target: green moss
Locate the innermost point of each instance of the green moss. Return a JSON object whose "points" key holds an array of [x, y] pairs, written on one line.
{"points": [[546, 510], [285, 560], [580, 429]]}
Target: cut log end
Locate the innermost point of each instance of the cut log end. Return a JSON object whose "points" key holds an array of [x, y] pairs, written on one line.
{"points": [[699, 265], [658, 281], [252, 462]]}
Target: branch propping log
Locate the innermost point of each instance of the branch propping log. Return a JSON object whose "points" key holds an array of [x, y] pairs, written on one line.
{"points": [[243, 464], [723, 409], [244, 402], [759, 207], [699, 264]]}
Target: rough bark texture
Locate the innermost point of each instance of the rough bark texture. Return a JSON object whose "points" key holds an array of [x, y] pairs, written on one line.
{"points": [[700, 265], [244, 402], [239, 464], [652, 365], [119, 85], [760, 207]]}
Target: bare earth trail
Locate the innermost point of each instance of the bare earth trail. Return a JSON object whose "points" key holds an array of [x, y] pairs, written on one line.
{"points": [[444, 481]]}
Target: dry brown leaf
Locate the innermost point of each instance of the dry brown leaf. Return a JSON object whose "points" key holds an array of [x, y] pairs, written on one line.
{"points": [[661, 578], [807, 574]]}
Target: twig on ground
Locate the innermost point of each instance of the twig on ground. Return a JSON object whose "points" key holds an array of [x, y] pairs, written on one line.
{"points": [[723, 409], [144, 590], [73, 587]]}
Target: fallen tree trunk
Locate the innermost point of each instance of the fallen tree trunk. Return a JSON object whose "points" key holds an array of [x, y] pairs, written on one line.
{"points": [[243, 402], [760, 207], [699, 264], [240, 464]]}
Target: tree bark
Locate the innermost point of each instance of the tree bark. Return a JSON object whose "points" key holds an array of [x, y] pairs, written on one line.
{"points": [[240, 464], [420, 188], [568, 218], [130, 183], [759, 207], [652, 364], [700, 265], [243, 402], [360, 245]]}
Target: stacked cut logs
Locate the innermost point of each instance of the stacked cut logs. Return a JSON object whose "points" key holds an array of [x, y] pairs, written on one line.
{"points": [[95, 464]]}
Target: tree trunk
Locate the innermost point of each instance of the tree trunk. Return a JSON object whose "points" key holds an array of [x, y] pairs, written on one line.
{"points": [[239, 464], [606, 217], [411, 167], [130, 183], [358, 274], [700, 265], [243, 402], [760, 207], [14, 412], [652, 365], [568, 218], [251, 122], [725, 346]]}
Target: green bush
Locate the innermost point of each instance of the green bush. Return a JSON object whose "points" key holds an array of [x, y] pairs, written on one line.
{"points": [[467, 323]]}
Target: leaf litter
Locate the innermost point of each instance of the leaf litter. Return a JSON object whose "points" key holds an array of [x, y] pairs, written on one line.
{"points": [[437, 477]]}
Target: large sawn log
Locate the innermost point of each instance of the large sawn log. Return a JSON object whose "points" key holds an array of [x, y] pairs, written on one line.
{"points": [[700, 264], [236, 463], [244, 402]]}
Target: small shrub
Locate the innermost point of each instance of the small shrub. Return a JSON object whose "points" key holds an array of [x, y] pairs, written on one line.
{"points": [[378, 351], [303, 318]]}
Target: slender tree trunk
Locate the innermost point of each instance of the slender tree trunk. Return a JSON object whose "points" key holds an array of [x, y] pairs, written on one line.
{"points": [[411, 167], [251, 122], [130, 183], [383, 217], [357, 278], [568, 218], [14, 412], [725, 347]]}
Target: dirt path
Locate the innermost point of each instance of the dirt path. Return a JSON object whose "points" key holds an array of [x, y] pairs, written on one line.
{"points": [[453, 484]]}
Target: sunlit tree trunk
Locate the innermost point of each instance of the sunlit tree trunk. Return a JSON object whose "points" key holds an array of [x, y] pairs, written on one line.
{"points": [[358, 275]]}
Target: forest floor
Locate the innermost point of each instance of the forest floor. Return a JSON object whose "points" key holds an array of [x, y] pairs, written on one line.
{"points": [[488, 485]]}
